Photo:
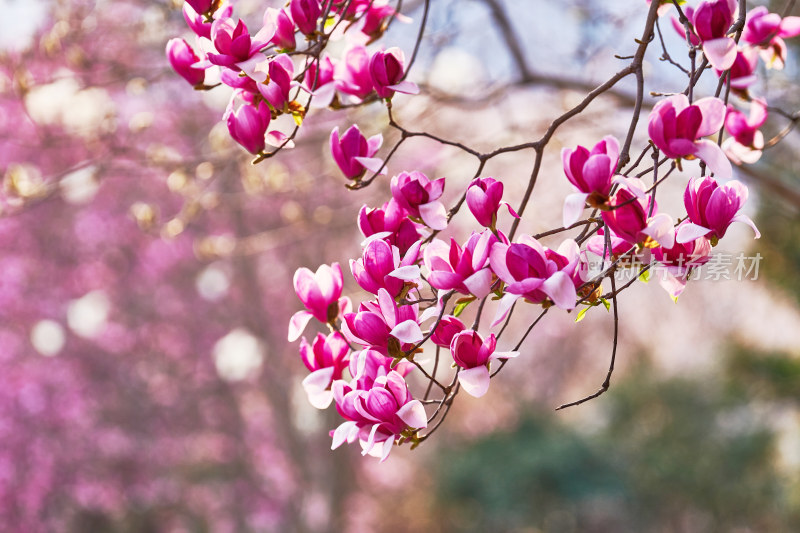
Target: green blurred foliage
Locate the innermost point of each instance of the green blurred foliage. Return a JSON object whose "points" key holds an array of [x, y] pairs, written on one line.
{"points": [[678, 455]]}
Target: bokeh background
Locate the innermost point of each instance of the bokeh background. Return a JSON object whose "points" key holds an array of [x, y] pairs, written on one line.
{"points": [[145, 289]]}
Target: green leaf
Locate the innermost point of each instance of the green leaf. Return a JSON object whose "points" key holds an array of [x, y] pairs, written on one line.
{"points": [[460, 307], [606, 303], [582, 313], [644, 277]]}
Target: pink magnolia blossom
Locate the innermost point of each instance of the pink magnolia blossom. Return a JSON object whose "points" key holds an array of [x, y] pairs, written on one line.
{"points": [[466, 269], [318, 81], [535, 273], [234, 47], [591, 172], [201, 6], [746, 141], [676, 262], [182, 57], [320, 293], [676, 128], [712, 208], [246, 84], [472, 354], [279, 29], [633, 216], [367, 365], [380, 267], [711, 21], [766, 31], [383, 325], [305, 14], [484, 198], [325, 359], [418, 195], [276, 77], [387, 71], [248, 125], [445, 330], [389, 223], [377, 416], [354, 153], [198, 23], [352, 74], [743, 70]]}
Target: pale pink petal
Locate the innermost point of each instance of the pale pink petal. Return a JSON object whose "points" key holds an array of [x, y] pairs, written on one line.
{"points": [[277, 138], [434, 215], [386, 449], [373, 164], [323, 96], [479, 283], [747, 220], [661, 228], [316, 387], [504, 355], [573, 207], [506, 302], [407, 331], [713, 110], [343, 433], [366, 447], [413, 414], [297, 324], [721, 53], [790, 27], [406, 87], [374, 143], [672, 284], [714, 157], [475, 381], [690, 232], [406, 273], [561, 290]]}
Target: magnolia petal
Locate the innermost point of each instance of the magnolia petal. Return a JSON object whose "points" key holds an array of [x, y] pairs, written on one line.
{"points": [[573, 207], [413, 414], [406, 273], [475, 381], [714, 157], [434, 215], [407, 87], [376, 236], [480, 283], [343, 433], [277, 138], [661, 228], [503, 355], [316, 387], [373, 144], [430, 313], [790, 27], [297, 324], [721, 53], [713, 111], [506, 302], [747, 220], [366, 447], [373, 164], [561, 290], [671, 283], [511, 210], [386, 449], [408, 332], [689, 232]]}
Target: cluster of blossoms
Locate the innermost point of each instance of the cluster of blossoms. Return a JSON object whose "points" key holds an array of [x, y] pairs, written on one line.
{"points": [[273, 74], [710, 27]]}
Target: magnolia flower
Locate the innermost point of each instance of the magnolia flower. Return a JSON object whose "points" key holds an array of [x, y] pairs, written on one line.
{"points": [[633, 216], [445, 330], [387, 72], [711, 21], [248, 125], [766, 31], [198, 23], [182, 58], [320, 293], [305, 14], [472, 354], [676, 128], [535, 273], [591, 172], [465, 270], [276, 81], [743, 70], [279, 29], [234, 47], [390, 223], [484, 198], [377, 416], [676, 262], [712, 208], [380, 267], [746, 141], [325, 359], [418, 195], [383, 325], [354, 153], [352, 73]]}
